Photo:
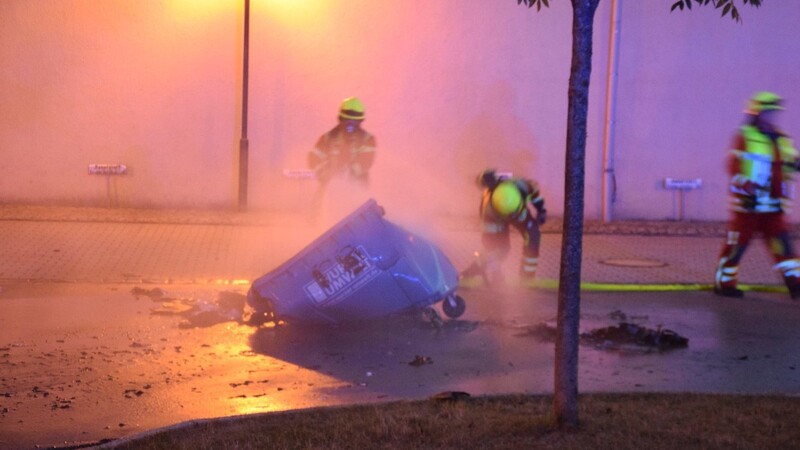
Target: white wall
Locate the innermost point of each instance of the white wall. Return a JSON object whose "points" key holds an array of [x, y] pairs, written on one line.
{"points": [[450, 87], [139, 83], [683, 82]]}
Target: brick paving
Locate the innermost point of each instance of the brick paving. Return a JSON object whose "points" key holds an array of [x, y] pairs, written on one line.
{"points": [[74, 244]]}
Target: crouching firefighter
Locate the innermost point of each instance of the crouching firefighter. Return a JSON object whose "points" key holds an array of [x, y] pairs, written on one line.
{"points": [[761, 165], [506, 201]]}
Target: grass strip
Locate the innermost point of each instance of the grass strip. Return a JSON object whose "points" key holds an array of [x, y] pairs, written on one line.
{"points": [[618, 421]]}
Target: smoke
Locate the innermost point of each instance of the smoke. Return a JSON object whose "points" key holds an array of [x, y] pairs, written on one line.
{"points": [[424, 176], [424, 192]]}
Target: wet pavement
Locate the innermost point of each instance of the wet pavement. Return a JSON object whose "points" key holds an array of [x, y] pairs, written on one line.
{"points": [[113, 327], [83, 363]]}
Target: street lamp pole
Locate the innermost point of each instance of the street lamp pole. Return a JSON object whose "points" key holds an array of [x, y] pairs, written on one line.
{"points": [[243, 143]]}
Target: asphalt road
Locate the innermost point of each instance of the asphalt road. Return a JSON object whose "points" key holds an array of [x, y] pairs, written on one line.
{"points": [[85, 362]]}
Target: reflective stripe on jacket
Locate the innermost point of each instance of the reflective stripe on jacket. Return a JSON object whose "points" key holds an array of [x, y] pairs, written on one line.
{"points": [[756, 161]]}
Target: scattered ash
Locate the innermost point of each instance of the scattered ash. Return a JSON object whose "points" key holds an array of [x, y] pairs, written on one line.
{"points": [[623, 335]]}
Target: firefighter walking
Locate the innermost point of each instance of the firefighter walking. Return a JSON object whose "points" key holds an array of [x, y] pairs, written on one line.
{"points": [[761, 165], [506, 202]]}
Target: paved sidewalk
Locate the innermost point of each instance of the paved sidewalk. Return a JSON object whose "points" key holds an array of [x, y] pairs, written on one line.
{"points": [[40, 244]]}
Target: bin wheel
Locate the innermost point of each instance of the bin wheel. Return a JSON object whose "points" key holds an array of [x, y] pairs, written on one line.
{"points": [[454, 306]]}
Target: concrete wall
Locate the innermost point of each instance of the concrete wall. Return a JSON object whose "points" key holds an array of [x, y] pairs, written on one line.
{"points": [[450, 87], [147, 84], [683, 82]]}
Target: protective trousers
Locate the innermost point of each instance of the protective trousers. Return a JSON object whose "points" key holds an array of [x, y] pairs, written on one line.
{"points": [[741, 229], [497, 243]]}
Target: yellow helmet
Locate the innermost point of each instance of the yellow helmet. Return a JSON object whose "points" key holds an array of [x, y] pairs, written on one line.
{"points": [[764, 101], [352, 109], [506, 199]]}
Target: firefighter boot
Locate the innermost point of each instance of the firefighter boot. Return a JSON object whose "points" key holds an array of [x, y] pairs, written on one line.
{"points": [[793, 284], [725, 280], [791, 276], [728, 291]]}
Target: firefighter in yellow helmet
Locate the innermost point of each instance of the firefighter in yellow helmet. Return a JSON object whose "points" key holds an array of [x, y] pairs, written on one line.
{"points": [[347, 149], [761, 164], [507, 201]]}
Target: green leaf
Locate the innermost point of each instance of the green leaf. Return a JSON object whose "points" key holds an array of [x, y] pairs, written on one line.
{"points": [[726, 6]]}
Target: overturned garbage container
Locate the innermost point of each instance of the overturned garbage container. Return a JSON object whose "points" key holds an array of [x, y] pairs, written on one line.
{"points": [[362, 268]]}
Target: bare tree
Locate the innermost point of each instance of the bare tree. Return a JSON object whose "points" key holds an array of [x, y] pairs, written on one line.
{"points": [[565, 398]]}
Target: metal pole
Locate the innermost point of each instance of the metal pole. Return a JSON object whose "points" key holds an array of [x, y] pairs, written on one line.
{"points": [[243, 143], [609, 178]]}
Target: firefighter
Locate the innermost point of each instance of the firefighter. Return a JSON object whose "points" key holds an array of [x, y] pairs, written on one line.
{"points": [[761, 165], [506, 201], [347, 149]]}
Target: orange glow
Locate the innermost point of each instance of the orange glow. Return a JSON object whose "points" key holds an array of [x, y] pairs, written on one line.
{"points": [[194, 10], [252, 405], [265, 398], [234, 282], [296, 12]]}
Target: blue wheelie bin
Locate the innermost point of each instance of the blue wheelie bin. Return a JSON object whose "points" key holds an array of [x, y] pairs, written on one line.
{"points": [[362, 268]]}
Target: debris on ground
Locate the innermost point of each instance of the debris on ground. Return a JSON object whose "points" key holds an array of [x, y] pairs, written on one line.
{"points": [[420, 361], [201, 313], [155, 293], [629, 333], [615, 337], [450, 396]]}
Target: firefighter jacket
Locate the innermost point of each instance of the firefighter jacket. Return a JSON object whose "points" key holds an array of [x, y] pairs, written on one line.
{"points": [[340, 152], [531, 195], [761, 166]]}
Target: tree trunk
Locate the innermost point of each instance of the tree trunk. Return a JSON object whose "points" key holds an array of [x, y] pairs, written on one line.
{"points": [[569, 302]]}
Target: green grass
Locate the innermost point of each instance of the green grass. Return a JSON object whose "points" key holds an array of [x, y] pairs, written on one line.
{"points": [[613, 421]]}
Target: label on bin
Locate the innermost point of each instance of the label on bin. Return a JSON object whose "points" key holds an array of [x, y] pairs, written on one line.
{"points": [[353, 269]]}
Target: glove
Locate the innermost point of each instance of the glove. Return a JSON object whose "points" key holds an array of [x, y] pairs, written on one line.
{"points": [[541, 216]]}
